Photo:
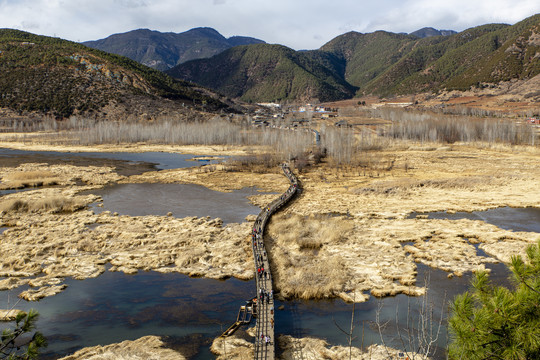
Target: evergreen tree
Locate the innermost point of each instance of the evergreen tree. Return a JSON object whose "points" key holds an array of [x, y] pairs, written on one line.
{"points": [[493, 322], [16, 344]]}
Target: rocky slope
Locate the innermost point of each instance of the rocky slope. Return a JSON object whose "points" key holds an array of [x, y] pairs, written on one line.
{"points": [[60, 78]]}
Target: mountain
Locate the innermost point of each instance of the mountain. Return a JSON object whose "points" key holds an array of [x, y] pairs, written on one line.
{"points": [[367, 56], [380, 63], [485, 54], [429, 31], [265, 72], [163, 51], [52, 76]]}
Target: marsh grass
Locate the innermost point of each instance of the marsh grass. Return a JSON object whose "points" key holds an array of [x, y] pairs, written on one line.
{"points": [[53, 204], [23, 179], [387, 187], [301, 271], [314, 231]]}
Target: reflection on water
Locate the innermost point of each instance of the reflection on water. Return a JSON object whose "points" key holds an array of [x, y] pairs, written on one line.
{"points": [[515, 219], [319, 318], [116, 307], [182, 200]]}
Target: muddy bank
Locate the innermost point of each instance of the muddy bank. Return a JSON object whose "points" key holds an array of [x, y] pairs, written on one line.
{"points": [[148, 347]]}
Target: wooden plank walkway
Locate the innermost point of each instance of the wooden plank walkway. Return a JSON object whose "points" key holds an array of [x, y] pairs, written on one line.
{"points": [[264, 341]]}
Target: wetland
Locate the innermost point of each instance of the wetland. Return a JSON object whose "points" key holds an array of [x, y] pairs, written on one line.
{"points": [[122, 274]]}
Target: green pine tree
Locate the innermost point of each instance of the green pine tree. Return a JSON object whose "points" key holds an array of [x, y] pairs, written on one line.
{"points": [[493, 322], [19, 343]]}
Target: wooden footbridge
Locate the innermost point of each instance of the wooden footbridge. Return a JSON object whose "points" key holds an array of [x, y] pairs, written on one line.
{"points": [[262, 306]]}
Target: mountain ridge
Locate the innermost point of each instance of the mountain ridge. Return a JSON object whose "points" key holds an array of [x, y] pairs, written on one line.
{"points": [[429, 32], [383, 63], [163, 51]]}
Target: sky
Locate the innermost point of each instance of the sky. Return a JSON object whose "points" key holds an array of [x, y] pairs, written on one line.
{"points": [[299, 24]]}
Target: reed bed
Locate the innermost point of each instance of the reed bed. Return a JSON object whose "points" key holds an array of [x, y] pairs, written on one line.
{"points": [[23, 179], [301, 273], [55, 204]]}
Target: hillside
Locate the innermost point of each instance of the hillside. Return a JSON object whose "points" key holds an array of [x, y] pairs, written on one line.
{"points": [[435, 60], [163, 51], [269, 73], [52, 76], [379, 63], [368, 55]]}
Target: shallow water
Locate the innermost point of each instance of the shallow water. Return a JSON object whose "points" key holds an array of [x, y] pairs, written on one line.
{"points": [[12, 191], [161, 160], [116, 307], [319, 318], [182, 200], [514, 219]]}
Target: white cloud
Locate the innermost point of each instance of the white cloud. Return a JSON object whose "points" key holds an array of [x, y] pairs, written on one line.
{"points": [[300, 24]]}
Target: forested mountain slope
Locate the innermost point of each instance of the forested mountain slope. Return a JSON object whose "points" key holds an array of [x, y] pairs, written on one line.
{"points": [[163, 51], [269, 73], [379, 63]]}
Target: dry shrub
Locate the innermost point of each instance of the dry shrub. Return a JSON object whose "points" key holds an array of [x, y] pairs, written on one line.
{"points": [[255, 163], [13, 205], [302, 271], [55, 204], [21, 179], [314, 231]]}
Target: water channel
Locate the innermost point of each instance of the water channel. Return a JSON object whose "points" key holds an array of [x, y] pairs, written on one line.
{"points": [[192, 311]]}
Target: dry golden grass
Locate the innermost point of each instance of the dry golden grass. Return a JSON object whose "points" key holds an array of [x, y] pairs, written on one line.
{"points": [[22, 179], [147, 347], [314, 231], [48, 241], [55, 204], [35, 175], [301, 272]]}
